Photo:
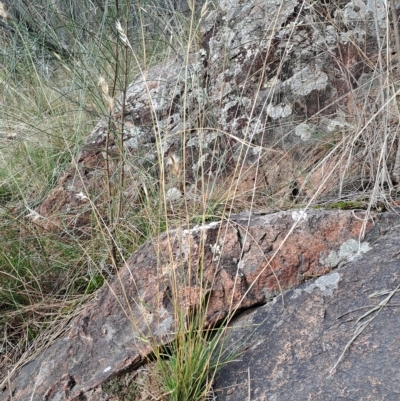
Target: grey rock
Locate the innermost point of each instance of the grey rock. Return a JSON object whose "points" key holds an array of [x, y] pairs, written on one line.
{"points": [[271, 83], [298, 349]]}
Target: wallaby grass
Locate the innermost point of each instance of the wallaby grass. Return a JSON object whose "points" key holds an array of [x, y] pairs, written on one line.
{"points": [[186, 367], [60, 74]]}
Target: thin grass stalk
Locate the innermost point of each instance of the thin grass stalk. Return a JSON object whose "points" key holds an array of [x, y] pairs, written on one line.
{"points": [[110, 128], [122, 147], [396, 167]]}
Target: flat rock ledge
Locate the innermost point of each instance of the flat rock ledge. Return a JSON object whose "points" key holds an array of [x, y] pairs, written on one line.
{"points": [[236, 264]]}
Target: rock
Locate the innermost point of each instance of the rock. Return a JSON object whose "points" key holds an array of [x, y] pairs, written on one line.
{"points": [[244, 262], [274, 87], [293, 349]]}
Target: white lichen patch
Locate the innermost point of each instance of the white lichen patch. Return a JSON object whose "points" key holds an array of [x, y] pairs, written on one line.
{"points": [[256, 150], [170, 122], [246, 103], [202, 140], [279, 111], [324, 36], [308, 79], [299, 215], [174, 194], [304, 131], [379, 10], [222, 88], [326, 284], [272, 83], [353, 12], [200, 162], [132, 142], [361, 10], [348, 251], [216, 250], [225, 112], [334, 125]]}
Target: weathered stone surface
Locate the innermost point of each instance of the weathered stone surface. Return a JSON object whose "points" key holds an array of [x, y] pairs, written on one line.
{"points": [[238, 263], [274, 86], [291, 348]]}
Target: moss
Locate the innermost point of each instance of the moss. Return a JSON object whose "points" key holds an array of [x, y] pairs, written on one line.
{"points": [[353, 204], [347, 205], [123, 387], [138, 385], [208, 218]]}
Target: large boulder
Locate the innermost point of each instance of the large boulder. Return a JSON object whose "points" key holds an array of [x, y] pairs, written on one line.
{"points": [[261, 111], [236, 264]]}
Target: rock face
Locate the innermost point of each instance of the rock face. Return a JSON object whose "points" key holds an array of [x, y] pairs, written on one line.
{"points": [[262, 106], [236, 264], [291, 350]]}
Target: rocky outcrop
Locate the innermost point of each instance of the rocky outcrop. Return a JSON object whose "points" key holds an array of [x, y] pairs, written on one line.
{"points": [[263, 106], [236, 264], [334, 338]]}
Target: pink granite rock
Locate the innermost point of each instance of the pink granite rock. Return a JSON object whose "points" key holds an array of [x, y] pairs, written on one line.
{"points": [[236, 264]]}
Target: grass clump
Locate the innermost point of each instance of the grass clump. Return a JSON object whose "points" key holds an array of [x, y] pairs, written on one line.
{"points": [[187, 366]]}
